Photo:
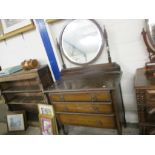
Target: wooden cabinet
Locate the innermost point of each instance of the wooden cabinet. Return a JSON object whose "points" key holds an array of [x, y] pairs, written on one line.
{"points": [[145, 95], [25, 89], [89, 96]]}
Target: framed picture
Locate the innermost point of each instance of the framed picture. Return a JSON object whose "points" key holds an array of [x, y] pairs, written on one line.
{"points": [[48, 125], [1, 29], [46, 109], [11, 27], [52, 20], [16, 121]]}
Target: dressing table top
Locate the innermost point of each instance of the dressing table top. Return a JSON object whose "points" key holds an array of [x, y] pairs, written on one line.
{"points": [[142, 81], [96, 77]]}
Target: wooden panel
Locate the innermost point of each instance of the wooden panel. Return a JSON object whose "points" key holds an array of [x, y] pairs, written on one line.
{"points": [[84, 107], [94, 120], [81, 96], [45, 77]]}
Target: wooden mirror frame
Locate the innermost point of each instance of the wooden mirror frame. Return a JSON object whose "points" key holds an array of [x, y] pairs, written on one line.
{"points": [[99, 52], [148, 41]]}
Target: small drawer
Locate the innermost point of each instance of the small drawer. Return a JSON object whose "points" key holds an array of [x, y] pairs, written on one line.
{"points": [[83, 107], [150, 95], [81, 96], [92, 120], [146, 113], [150, 114]]}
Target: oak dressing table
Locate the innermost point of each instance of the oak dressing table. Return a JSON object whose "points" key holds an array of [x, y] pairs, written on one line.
{"points": [[89, 95]]}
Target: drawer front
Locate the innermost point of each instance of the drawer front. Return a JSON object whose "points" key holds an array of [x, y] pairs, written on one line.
{"points": [[146, 113], [81, 96], [84, 107], [96, 120], [150, 95]]}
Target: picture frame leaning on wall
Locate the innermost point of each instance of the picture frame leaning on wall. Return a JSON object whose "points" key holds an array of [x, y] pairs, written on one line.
{"points": [[48, 125], [16, 121]]}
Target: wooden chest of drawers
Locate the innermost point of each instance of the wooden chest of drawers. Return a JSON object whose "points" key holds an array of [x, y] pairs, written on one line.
{"points": [[90, 108], [145, 95], [89, 101]]}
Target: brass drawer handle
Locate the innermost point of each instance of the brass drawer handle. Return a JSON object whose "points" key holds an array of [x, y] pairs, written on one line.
{"points": [[96, 109], [62, 97], [99, 122], [93, 98], [65, 109]]}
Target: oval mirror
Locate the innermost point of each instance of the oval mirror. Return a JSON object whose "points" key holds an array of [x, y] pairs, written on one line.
{"points": [[150, 29], [82, 41]]}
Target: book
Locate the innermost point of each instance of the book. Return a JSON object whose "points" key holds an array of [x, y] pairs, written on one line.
{"points": [[10, 70]]}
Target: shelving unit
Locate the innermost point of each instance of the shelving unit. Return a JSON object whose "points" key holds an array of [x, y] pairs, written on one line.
{"points": [[25, 89]]}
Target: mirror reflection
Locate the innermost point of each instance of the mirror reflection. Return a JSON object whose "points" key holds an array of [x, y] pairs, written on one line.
{"points": [[82, 41], [151, 30]]}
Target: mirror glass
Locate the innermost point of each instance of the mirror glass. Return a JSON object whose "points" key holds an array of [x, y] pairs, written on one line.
{"points": [[151, 30], [82, 41]]}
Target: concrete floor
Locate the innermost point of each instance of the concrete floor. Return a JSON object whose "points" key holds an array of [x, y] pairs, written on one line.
{"points": [[74, 130]]}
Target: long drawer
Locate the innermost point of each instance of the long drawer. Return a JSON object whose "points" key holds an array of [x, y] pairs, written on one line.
{"points": [[83, 107], [92, 120], [81, 96]]}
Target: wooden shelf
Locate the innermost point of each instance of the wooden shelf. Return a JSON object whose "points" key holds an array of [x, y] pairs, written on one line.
{"points": [[22, 89], [27, 100]]}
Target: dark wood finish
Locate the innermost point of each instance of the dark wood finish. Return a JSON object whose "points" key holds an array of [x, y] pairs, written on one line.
{"points": [[25, 89], [89, 96], [145, 95]]}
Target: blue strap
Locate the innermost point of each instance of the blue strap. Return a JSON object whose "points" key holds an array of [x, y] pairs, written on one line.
{"points": [[48, 47]]}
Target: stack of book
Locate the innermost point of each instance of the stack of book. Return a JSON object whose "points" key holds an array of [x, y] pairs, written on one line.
{"points": [[10, 70]]}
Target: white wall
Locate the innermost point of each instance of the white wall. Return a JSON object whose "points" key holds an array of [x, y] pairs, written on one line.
{"points": [[18, 48], [127, 49], [126, 46]]}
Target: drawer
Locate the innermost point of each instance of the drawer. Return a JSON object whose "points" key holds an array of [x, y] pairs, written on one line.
{"points": [[83, 107], [81, 96], [91, 120], [150, 95], [146, 113]]}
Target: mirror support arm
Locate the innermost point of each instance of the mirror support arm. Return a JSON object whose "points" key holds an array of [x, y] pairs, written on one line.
{"points": [[63, 63], [107, 45]]}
